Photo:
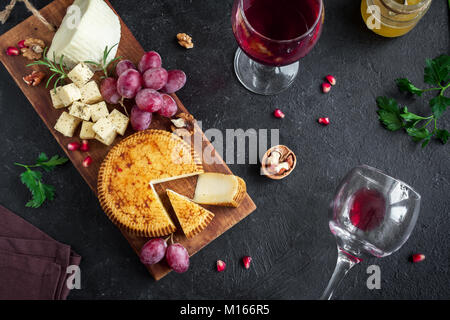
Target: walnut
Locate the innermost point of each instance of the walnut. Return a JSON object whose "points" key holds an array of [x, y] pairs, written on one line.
{"points": [[34, 78], [184, 124], [185, 40], [278, 162], [34, 48]]}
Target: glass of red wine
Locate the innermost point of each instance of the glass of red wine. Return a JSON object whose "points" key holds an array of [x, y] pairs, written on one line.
{"points": [[372, 214], [272, 37]]}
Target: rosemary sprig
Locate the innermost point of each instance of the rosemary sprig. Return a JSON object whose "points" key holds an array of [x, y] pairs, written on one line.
{"points": [[58, 68], [104, 65]]}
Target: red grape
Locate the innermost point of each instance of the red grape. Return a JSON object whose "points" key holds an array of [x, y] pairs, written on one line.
{"points": [[169, 106], [155, 78], [153, 251], [175, 81], [129, 83], [149, 60], [149, 100], [108, 89], [123, 66], [140, 120], [177, 258]]}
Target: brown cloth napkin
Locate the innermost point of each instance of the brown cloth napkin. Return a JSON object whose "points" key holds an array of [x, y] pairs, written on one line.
{"points": [[32, 264]]}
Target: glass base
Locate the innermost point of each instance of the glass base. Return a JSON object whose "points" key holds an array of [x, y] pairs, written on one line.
{"points": [[263, 79]]}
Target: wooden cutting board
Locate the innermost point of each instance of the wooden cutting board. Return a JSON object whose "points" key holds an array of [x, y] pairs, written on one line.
{"points": [[39, 97]]}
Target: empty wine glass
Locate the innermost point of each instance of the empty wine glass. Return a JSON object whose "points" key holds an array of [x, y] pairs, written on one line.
{"points": [[372, 214]]}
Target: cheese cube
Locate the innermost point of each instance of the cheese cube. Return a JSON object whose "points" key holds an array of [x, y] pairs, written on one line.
{"points": [[56, 101], [119, 120], [108, 140], [67, 124], [69, 94], [80, 75], [86, 131], [98, 111], [80, 110], [104, 128], [90, 93]]}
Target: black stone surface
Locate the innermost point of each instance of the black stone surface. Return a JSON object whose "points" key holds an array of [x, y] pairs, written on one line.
{"points": [[288, 237]]}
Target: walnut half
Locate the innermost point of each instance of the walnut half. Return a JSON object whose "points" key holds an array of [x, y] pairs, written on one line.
{"points": [[185, 40], [34, 48], [34, 78]]}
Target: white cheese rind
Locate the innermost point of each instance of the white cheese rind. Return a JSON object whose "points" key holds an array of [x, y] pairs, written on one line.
{"points": [[87, 28]]}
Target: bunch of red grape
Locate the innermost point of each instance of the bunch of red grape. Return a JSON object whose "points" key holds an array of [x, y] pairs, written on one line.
{"points": [[156, 249], [149, 85]]}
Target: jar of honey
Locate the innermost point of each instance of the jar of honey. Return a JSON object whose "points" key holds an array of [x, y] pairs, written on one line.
{"points": [[393, 18]]}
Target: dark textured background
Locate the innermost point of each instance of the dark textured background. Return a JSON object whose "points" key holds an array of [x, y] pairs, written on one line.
{"points": [[293, 251]]}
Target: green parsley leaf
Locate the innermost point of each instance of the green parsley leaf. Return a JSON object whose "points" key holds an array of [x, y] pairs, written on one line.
{"points": [[389, 113], [406, 86], [437, 70], [33, 179], [49, 165], [442, 135], [411, 116], [418, 134], [390, 120], [439, 104], [393, 117], [387, 104]]}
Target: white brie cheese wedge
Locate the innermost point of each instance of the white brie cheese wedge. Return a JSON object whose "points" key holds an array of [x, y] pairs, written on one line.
{"points": [[87, 28]]}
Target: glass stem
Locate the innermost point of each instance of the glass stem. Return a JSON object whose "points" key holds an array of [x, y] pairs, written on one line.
{"points": [[344, 263]]}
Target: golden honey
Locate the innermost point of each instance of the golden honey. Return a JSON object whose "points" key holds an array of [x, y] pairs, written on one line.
{"points": [[393, 18]]}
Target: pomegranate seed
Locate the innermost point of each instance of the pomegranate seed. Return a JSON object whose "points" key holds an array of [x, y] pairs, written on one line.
{"points": [[12, 51], [221, 265], [87, 161], [246, 260], [84, 146], [119, 169], [324, 121], [418, 257], [326, 87], [21, 44], [331, 79], [278, 114], [72, 146]]}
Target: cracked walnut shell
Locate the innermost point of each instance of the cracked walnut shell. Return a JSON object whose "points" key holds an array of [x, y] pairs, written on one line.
{"points": [[278, 162], [183, 124]]}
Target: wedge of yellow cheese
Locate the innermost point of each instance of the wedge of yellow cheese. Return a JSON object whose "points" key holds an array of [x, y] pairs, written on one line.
{"points": [[219, 189]]}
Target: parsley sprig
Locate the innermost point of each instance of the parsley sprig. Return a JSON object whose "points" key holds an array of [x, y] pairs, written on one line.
{"points": [[57, 68], [104, 65], [33, 179], [420, 128]]}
